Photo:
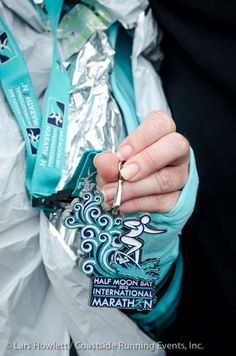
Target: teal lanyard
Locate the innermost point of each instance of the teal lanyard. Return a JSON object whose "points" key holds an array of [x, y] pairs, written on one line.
{"points": [[44, 135]]}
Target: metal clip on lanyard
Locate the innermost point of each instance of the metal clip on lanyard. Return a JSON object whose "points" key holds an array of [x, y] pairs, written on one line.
{"points": [[116, 205]]}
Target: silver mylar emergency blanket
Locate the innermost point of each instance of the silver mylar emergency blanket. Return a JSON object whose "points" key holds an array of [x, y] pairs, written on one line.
{"points": [[44, 296]]}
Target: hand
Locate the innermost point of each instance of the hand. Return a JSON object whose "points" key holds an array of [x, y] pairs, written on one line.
{"points": [[155, 170]]}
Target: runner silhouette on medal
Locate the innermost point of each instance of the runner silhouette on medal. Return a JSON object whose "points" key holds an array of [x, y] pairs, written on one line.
{"points": [[136, 227]]}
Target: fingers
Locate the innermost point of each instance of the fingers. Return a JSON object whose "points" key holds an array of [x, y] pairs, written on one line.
{"points": [[156, 125], [154, 203], [107, 166], [167, 180], [171, 149], [155, 169], [154, 128]]}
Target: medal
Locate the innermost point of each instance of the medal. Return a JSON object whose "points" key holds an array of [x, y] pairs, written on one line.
{"points": [[111, 251], [110, 245]]}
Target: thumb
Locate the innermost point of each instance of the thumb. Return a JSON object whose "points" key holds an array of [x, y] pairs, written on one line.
{"points": [[107, 166]]}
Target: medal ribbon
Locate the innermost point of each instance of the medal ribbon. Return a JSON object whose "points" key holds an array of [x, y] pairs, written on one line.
{"points": [[44, 134]]}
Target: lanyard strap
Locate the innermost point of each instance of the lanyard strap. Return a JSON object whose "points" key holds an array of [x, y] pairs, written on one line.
{"points": [[19, 92], [44, 135], [51, 150]]}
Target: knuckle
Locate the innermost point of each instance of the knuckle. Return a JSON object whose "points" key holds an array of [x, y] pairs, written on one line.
{"points": [[159, 201], [181, 143], [150, 158], [146, 135], [163, 180], [152, 127], [157, 120], [165, 202], [166, 120]]}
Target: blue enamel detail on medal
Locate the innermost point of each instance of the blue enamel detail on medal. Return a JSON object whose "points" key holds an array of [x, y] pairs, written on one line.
{"points": [[111, 245], [111, 248]]}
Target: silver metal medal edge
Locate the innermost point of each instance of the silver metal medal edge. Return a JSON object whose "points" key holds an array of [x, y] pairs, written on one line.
{"points": [[112, 252]]}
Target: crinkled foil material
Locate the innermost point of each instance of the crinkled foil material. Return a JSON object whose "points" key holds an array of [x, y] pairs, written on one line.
{"points": [[146, 54], [95, 121]]}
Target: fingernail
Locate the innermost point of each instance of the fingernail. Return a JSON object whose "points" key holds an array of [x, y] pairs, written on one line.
{"points": [[109, 193], [124, 152], [129, 171], [94, 160]]}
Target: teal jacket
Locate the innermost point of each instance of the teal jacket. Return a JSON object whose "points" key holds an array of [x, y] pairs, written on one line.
{"points": [[164, 246]]}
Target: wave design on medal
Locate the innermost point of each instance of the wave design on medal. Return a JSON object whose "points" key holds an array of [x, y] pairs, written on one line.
{"points": [[99, 233], [112, 246]]}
